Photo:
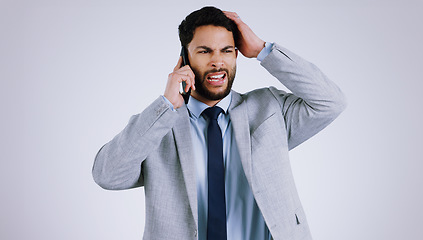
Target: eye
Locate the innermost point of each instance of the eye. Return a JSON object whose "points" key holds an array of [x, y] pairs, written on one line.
{"points": [[203, 51], [228, 51]]}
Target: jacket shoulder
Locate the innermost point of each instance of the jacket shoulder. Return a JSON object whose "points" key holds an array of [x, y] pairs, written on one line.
{"points": [[263, 98]]}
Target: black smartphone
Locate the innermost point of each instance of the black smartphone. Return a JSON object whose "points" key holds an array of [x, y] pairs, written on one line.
{"points": [[184, 55]]}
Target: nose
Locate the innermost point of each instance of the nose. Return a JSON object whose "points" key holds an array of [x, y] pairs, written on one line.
{"points": [[217, 60]]}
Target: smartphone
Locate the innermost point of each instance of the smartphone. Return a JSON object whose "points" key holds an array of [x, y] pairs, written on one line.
{"points": [[185, 95]]}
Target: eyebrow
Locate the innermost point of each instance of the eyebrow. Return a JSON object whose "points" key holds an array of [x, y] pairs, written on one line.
{"points": [[209, 49], [228, 47]]}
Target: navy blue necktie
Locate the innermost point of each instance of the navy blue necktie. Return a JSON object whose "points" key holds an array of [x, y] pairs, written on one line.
{"points": [[216, 218]]}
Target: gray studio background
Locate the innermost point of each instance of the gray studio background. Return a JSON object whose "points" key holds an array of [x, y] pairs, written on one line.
{"points": [[73, 72]]}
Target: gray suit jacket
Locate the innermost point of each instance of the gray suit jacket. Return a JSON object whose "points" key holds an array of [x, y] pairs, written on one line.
{"points": [[154, 151]]}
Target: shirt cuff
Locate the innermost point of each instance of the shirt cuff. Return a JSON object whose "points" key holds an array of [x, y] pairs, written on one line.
{"points": [[169, 103], [265, 51]]}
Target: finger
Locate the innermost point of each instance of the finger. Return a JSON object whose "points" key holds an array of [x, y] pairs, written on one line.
{"points": [[188, 79], [190, 72], [192, 83], [186, 70], [178, 65], [187, 86], [232, 15], [189, 82], [184, 83], [184, 77], [229, 14], [192, 77]]}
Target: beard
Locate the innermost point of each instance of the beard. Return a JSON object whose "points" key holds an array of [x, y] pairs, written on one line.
{"points": [[204, 92]]}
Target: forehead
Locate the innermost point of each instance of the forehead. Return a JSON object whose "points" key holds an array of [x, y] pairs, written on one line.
{"points": [[212, 36]]}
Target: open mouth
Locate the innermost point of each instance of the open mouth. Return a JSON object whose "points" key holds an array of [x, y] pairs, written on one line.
{"points": [[216, 78]]}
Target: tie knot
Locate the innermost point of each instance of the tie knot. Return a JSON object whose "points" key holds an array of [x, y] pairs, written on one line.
{"points": [[212, 112]]}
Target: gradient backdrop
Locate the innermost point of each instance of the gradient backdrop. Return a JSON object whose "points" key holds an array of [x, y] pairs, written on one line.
{"points": [[73, 72]]}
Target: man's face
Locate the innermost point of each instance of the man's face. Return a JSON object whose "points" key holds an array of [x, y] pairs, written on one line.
{"points": [[212, 58]]}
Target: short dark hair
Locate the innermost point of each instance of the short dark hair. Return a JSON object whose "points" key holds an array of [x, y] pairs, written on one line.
{"points": [[202, 17]]}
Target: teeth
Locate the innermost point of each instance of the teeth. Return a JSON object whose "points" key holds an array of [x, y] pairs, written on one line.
{"points": [[217, 76]]}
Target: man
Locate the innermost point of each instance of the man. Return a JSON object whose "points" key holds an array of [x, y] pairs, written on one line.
{"points": [[227, 175]]}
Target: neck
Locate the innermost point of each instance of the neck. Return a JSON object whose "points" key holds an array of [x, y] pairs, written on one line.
{"points": [[202, 99]]}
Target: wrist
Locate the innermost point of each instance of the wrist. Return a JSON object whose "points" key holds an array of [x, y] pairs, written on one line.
{"points": [[265, 51], [259, 47], [168, 102]]}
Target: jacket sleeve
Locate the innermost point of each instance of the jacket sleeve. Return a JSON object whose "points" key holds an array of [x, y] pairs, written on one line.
{"points": [[315, 100], [118, 164]]}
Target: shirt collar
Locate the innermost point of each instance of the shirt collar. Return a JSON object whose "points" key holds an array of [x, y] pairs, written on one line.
{"points": [[196, 107]]}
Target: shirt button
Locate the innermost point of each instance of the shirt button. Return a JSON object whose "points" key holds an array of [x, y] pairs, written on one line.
{"points": [[195, 233]]}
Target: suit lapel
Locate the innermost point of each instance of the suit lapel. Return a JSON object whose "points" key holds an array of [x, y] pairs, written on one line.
{"points": [[241, 130], [184, 145]]}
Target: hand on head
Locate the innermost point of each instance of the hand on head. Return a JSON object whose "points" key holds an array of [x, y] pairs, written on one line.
{"points": [[248, 43]]}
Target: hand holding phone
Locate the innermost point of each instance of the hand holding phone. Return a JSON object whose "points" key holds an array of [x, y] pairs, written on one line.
{"points": [[181, 75]]}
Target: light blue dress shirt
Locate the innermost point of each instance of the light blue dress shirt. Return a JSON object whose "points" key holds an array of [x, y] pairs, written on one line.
{"points": [[244, 219]]}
